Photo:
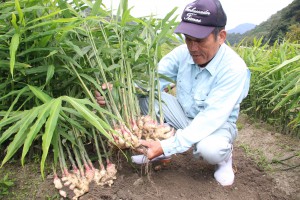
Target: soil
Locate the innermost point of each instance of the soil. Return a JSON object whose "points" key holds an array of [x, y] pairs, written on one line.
{"points": [[257, 175]]}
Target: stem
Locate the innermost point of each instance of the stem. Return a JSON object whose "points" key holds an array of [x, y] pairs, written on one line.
{"points": [[103, 146], [63, 161], [123, 78], [133, 101], [292, 156], [82, 150], [54, 170], [64, 173], [79, 163], [161, 114], [71, 157], [86, 89], [292, 167], [114, 107], [97, 147]]}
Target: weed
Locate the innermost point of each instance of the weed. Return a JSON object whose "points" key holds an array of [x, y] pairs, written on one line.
{"points": [[239, 126], [257, 155], [246, 148], [5, 184], [54, 197]]}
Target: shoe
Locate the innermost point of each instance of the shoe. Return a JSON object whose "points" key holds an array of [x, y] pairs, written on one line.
{"points": [[224, 173], [142, 159]]}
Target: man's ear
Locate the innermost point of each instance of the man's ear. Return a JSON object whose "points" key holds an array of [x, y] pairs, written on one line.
{"points": [[222, 36]]}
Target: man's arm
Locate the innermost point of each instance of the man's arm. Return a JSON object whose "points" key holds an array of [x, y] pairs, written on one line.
{"points": [[220, 102]]}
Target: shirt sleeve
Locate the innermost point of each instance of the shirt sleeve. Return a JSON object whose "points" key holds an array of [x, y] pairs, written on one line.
{"points": [[168, 66], [224, 96]]}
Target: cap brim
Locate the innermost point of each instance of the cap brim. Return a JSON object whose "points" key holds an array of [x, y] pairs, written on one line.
{"points": [[194, 30]]}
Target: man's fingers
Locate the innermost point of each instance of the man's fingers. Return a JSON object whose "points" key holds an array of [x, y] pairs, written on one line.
{"points": [[145, 143], [107, 85], [151, 149], [101, 103], [100, 99], [97, 93], [104, 86], [143, 147], [141, 150]]}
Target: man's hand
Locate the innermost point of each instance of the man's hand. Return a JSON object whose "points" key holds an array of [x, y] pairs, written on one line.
{"points": [[169, 88], [154, 148], [100, 99]]}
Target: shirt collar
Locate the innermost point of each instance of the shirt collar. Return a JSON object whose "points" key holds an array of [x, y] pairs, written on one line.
{"points": [[213, 64]]}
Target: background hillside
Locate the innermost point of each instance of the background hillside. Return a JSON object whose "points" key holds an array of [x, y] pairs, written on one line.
{"points": [[284, 24], [242, 28]]}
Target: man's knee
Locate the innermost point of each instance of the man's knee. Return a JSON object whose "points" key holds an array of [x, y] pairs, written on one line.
{"points": [[143, 102], [213, 151]]}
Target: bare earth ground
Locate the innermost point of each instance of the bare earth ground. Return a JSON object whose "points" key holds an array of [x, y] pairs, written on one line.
{"points": [[186, 178]]}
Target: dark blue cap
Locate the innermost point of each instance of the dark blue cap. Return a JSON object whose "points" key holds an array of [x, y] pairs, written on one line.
{"points": [[200, 17]]}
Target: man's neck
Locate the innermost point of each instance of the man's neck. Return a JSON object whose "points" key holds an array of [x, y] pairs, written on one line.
{"points": [[204, 65]]}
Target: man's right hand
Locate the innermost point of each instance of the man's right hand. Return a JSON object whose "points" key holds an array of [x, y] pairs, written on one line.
{"points": [[100, 99], [154, 149], [169, 88]]}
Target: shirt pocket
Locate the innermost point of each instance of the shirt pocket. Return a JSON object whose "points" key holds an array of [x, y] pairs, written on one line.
{"points": [[199, 102], [183, 87]]}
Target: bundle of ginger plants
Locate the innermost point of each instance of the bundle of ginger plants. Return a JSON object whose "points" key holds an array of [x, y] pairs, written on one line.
{"points": [[76, 182], [127, 122]]}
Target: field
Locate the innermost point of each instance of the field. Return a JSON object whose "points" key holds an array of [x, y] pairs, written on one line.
{"points": [[187, 178]]}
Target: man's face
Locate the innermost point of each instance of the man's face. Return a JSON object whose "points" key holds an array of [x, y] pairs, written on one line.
{"points": [[203, 50]]}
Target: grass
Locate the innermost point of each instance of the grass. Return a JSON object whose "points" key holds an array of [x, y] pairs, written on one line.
{"points": [[258, 156], [27, 182], [5, 184], [239, 126]]}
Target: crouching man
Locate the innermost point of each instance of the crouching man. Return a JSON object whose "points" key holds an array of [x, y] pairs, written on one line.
{"points": [[211, 82]]}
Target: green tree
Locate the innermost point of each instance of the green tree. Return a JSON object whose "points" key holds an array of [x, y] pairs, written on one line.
{"points": [[293, 34]]}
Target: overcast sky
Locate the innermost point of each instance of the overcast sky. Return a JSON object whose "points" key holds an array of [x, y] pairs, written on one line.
{"points": [[238, 11]]}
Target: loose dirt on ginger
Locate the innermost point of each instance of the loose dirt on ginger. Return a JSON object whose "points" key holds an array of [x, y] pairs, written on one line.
{"points": [[256, 176]]}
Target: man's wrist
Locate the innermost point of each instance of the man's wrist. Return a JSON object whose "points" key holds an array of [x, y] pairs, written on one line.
{"points": [[167, 146]]}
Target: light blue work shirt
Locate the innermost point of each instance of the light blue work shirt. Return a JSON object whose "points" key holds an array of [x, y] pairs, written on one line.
{"points": [[211, 96]]}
